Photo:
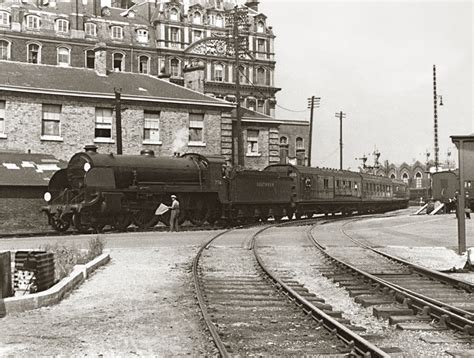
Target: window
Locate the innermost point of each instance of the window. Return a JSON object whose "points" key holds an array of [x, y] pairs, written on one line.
{"points": [[242, 75], [326, 183], [299, 143], [261, 76], [4, 18], [392, 176], [63, 56], [50, 126], [419, 182], [62, 26], [174, 34], [151, 128], [261, 105], [196, 126], [252, 141], [197, 18], [90, 59], [174, 14], [90, 29], [218, 73], [219, 21], [34, 54], [283, 141], [197, 35], [261, 45], [118, 62], [174, 64], [142, 35], [405, 178], [103, 123], [260, 27], [284, 151], [144, 64], [4, 50], [32, 22], [116, 32], [2, 118]]}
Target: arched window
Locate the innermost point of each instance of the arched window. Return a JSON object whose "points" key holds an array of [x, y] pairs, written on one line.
{"points": [[218, 72], [419, 180], [144, 64], [90, 59], [62, 26], [299, 143], [64, 58], [260, 27], [283, 140], [405, 178], [174, 65], [392, 176], [4, 50], [4, 18], [174, 14], [34, 53], [197, 18], [261, 78], [118, 61], [219, 21], [284, 151]]}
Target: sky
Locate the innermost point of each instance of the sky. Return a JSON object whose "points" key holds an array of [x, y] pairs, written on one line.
{"points": [[374, 60]]}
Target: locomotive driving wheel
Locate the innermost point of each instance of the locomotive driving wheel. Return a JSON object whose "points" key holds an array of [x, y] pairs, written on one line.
{"points": [[122, 221], [145, 218], [79, 224], [199, 214], [60, 223]]}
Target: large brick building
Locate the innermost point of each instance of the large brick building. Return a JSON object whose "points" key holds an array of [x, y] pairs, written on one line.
{"points": [[147, 37]]}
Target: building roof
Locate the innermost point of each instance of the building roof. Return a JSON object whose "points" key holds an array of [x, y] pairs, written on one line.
{"points": [[26, 169], [252, 116], [83, 82]]}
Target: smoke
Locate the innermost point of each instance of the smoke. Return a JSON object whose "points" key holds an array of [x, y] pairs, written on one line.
{"points": [[180, 140]]}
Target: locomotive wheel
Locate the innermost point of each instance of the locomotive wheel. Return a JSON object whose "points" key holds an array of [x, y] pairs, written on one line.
{"points": [[81, 227], [59, 224], [199, 214], [145, 219], [122, 221]]}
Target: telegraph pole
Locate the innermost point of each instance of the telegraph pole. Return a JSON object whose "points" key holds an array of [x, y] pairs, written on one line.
{"points": [[435, 102], [118, 119], [312, 102], [238, 18], [340, 115]]}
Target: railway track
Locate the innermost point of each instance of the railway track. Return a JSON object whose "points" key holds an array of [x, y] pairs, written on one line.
{"points": [[250, 311]]}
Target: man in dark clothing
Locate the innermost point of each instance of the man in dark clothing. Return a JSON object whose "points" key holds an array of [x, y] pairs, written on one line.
{"points": [[174, 214]]}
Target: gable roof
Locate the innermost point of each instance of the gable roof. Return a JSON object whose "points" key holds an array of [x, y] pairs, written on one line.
{"points": [[26, 169], [83, 82]]}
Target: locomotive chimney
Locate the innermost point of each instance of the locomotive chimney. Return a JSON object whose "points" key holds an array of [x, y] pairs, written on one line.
{"points": [[90, 148]]}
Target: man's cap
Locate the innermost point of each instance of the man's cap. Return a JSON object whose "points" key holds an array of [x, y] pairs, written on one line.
{"points": [[173, 196]]}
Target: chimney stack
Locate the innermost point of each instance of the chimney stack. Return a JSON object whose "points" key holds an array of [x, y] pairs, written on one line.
{"points": [[194, 76], [100, 60], [252, 5]]}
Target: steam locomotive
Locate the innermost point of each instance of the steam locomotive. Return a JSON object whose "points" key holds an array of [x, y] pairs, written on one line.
{"points": [[106, 189]]}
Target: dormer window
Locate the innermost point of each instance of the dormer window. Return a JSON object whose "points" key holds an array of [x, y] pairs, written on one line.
{"points": [[62, 26], [219, 21], [142, 35], [197, 18], [32, 22], [173, 14], [4, 18], [260, 27], [116, 32], [90, 29]]}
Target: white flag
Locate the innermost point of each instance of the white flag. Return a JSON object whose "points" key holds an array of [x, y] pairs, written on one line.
{"points": [[161, 209]]}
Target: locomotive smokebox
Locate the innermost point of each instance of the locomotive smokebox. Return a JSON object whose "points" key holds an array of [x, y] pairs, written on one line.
{"points": [[90, 148]]}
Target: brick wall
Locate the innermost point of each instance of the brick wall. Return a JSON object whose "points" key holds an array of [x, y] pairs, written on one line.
{"points": [[23, 116], [19, 214]]}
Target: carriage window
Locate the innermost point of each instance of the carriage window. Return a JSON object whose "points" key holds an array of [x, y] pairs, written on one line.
{"points": [[326, 183], [350, 184], [337, 184], [355, 186]]}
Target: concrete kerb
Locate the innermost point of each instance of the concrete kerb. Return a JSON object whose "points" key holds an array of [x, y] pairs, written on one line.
{"points": [[55, 293]]}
